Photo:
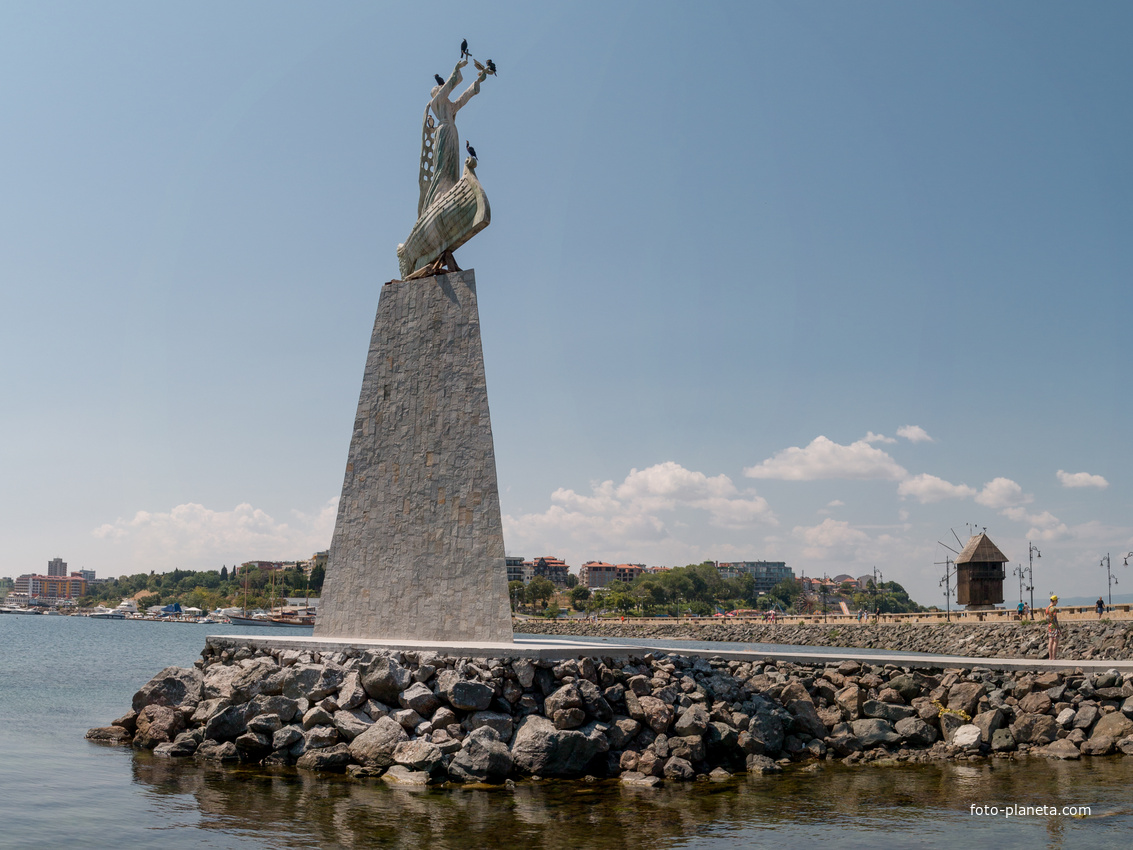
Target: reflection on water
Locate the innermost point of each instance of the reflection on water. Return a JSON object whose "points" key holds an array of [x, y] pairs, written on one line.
{"points": [[864, 806], [61, 675]]}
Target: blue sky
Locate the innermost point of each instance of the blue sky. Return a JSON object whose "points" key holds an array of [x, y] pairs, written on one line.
{"points": [[811, 282]]}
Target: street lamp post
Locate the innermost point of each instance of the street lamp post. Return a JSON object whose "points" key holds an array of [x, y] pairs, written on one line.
{"points": [[1032, 553], [946, 583], [1111, 579]]}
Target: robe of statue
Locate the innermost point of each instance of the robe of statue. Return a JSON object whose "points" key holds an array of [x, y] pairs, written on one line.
{"points": [[446, 156]]}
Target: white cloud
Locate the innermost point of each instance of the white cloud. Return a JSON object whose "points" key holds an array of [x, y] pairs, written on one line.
{"points": [[871, 437], [1002, 493], [824, 458], [665, 485], [1081, 479], [831, 533], [1044, 526], [836, 503], [927, 488], [914, 434], [193, 536], [627, 518]]}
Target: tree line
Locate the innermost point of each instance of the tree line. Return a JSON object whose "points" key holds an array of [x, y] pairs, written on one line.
{"points": [[207, 589], [700, 590]]}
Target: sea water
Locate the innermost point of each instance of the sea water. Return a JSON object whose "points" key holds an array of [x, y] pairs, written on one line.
{"points": [[60, 676]]}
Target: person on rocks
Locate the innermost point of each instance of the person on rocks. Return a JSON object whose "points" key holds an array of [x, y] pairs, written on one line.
{"points": [[1100, 606], [1052, 630]]}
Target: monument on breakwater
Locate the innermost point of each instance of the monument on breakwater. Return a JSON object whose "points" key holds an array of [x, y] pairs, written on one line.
{"points": [[418, 550]]}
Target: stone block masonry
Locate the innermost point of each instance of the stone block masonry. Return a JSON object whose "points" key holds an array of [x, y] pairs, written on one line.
{"points": [[418, 550]]}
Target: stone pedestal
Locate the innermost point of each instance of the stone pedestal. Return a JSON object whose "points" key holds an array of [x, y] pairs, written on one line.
{"points": [[418, 549]]}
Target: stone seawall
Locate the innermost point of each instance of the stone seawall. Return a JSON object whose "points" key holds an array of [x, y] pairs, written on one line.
{"points": [[422, 718], [1080, 641]]}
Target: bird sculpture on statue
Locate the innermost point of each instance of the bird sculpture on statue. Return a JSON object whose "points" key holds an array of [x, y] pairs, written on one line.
{"points": [[440, 80], [464, 49], [471, 150]]}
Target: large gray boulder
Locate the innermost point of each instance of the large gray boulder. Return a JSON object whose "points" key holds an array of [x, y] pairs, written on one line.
{"points": [[657, 714], [286, 737], [875, 732], [806, 719], [887, 710], [850, 699], [1034, 729], [351, 694], [470, 696], [1114, 725], [989, 721], [157, 724], [384, 679], [419, 698], [541, 748], [283, 707], [352, 723], [594, 702], [693, 720], [419, 755], [328, 759], [482, 758], [227, 724], [965, 697], [177, 687], [916, 732], [499, 721], [375, 746], [312, 681], [217, 751]]}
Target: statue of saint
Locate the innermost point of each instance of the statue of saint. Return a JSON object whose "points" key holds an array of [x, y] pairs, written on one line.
{"points": [[440, 144], [452, 206]]}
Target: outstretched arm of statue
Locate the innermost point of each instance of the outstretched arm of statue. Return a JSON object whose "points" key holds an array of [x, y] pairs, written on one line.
{"points": [[454, 80], [473, 89]]}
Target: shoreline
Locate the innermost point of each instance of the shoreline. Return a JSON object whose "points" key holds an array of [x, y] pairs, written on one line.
{"points": [[423, 718]]}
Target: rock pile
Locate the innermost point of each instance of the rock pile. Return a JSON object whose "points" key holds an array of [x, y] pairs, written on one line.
{"points": [[421, 718], [1080, 641]]}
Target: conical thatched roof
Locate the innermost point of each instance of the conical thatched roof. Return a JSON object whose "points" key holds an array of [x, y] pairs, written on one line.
{"points": [[981, 550]]}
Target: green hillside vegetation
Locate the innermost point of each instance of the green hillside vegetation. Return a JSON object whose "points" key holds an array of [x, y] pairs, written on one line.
{"points": [[698, 589], [206, 590]]}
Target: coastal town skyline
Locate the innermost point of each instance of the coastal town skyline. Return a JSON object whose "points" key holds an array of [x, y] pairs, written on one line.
{"points": [[875, 297]]}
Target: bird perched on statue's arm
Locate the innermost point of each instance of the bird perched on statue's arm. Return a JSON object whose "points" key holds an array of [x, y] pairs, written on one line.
{"points": [[464, 49], [491, 67], [471, 150], [440, 80]]}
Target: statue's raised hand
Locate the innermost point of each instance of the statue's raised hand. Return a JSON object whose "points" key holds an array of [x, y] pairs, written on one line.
{"points": [[461, 63]]}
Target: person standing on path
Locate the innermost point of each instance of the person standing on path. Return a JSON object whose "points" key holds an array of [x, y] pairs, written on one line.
{"points": [[1100, 606], [1020, 609], [1052, 629]]}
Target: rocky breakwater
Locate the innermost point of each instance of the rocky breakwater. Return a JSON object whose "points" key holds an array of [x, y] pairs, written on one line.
{"points": [[1080, 641], [421, 719]]}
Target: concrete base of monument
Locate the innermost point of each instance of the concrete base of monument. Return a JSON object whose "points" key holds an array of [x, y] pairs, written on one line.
{"points": [[533, 648]]}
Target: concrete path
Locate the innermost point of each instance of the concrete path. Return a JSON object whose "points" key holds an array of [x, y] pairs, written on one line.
{"points": [[552, 648]]}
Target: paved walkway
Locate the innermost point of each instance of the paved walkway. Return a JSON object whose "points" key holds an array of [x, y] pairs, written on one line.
{"points": [[552, 648]]}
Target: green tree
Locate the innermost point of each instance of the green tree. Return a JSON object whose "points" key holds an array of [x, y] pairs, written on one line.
{"points": [[540, 590], [571, 580], [578, 596]]}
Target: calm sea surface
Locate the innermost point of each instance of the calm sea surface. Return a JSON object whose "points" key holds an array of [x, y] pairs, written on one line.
{"points": [[61, 675]]}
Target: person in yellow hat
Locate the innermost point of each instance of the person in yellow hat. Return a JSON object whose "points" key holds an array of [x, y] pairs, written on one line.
{"points": [[1052, 630]]}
